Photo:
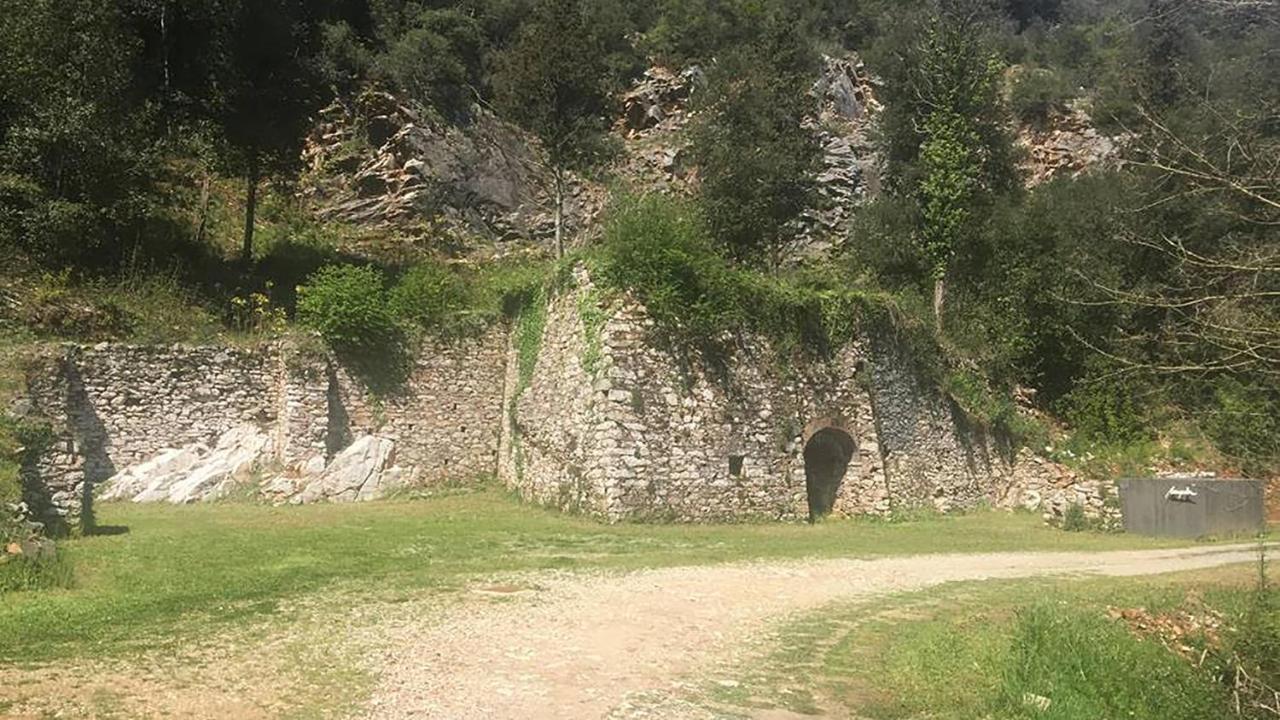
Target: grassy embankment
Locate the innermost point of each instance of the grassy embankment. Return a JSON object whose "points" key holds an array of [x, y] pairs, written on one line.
{"points": [[1039, 649], [179, 572]]}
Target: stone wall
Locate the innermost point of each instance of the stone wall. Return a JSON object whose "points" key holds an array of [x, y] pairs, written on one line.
{"points": [[554, 432], [617, 426], [647, 434], [607, 422], [111, 406], [935, 455], [444, 420]]}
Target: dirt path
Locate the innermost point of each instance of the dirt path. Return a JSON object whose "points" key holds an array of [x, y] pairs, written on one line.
{"points": [[579, 647]]}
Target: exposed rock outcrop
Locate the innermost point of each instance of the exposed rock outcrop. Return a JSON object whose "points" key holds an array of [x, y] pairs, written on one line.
{"points": [[658, 108], [850, 174], [240, 461], [1067, 145], [194, 473], [366, 470], [460, 186]]}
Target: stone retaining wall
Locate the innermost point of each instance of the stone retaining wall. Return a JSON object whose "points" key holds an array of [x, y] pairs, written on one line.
{"points": [[609, 422], [617, 426], [111, 406]]}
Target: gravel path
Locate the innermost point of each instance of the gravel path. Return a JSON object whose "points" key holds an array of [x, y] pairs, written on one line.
{"points": [[578, 647]]}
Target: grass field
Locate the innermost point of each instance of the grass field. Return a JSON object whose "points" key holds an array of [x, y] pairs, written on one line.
{"points": [[995, 649], [169, 574]]}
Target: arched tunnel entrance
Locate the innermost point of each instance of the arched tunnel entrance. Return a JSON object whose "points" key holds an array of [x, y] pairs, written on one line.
{"points": [[826, 459]]}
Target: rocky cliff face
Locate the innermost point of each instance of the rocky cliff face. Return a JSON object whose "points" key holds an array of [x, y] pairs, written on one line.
{"points": [[482, 186], [1066, 145], [477, 186]]}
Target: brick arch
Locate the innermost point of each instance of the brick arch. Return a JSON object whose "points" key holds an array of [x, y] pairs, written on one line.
{"points": [[835, 422], [830, 448]]}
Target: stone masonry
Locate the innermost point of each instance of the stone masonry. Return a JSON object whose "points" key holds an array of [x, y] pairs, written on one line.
{"points": [[621, 428], [113, 406], [609, 422]]}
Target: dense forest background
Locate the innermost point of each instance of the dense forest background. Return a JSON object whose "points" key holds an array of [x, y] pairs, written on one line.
{"points": [[150, 152]]}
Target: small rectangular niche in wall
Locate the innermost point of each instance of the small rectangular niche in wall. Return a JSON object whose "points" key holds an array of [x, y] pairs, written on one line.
{"points": [[735, 465]]}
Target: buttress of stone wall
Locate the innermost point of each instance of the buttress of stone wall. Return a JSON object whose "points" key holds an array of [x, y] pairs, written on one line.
{"points": [[934, 454], [551, 426]]}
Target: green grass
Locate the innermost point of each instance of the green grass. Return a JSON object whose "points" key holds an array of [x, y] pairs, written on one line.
{"points": [[984, 649], [180, 571]]}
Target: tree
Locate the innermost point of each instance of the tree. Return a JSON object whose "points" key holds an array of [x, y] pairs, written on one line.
{"points": [[76, 160], [266, 86], [755, 155], [437, 61], [550, 82], [947, 142], [1217, 285]]}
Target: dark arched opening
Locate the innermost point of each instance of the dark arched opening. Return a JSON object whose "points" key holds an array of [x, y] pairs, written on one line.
{"points": [[826, 459]]}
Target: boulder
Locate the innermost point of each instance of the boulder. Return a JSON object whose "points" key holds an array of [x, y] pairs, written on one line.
{"points": [[194, 473], [160, 471], [361, 472]]}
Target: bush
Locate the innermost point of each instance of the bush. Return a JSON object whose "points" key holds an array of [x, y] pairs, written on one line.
{"points": [[1102, 408], [1074, 519], [349, 306], [434, 297], [452, 301], [1037, 92], [1244, 422], [660, 248]]}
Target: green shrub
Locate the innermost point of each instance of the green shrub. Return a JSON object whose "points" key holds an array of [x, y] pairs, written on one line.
{"points": [[454, 300], [1244, 422], [1037, 92], [660, 248], [434, 297], [1074, 519], [1103, 409], [348, 305]]}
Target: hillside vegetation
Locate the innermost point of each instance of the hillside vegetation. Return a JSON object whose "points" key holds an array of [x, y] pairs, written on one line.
{"points": [[159, 181]]}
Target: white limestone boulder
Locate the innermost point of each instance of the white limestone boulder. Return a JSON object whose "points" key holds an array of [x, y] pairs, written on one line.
{"points": [[363, 471], [157, 472], [194, 473]]}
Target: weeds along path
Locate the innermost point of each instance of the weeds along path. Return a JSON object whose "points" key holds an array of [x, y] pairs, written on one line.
{"points": [[575, 647]]}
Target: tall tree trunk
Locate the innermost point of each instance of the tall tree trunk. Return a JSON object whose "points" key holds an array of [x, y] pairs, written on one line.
{"points": [[164, 44], [202, 220], [559, 213], [939, 298], [250, 207]]}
